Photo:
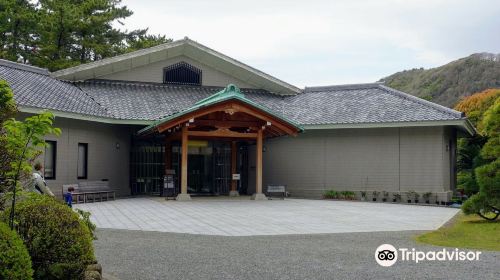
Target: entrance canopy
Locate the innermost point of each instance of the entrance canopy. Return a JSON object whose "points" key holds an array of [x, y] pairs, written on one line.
{"points": [[226, 114]]}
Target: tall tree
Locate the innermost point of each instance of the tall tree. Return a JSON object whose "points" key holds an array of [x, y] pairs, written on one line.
{"points": [[140, 39], [18, 20], [479, 161], [57, 34]]}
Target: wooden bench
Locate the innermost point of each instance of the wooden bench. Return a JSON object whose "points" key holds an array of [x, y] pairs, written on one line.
{"points": [[90, 191], [275, 189]]}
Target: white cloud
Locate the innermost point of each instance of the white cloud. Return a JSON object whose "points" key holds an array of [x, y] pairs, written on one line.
{"points": [[309, 42]]}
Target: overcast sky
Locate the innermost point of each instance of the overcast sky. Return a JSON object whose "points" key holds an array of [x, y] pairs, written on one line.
{"points": [[314, 42]]}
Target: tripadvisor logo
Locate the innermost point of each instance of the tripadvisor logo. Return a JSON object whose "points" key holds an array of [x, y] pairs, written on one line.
{"points": [[387, 255]]}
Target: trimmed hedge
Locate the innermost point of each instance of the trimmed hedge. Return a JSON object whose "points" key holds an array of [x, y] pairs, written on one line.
{"points": [[58, 240], [15, 262]]}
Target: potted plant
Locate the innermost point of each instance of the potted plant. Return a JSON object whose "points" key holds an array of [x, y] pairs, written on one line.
{"points": [[331, 194], [416, 196], [396, 197], [375, 195], [344, 195], [427, 197], [352, 195], [363, 195], [385, 195], [409, 196]]}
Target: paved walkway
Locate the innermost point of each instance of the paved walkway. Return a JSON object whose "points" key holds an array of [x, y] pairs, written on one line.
{"points": [[274, 217]]}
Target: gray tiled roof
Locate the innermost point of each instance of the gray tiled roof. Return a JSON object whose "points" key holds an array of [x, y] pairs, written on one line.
{"points": [[33, 87], [364, 103], [367, 103], [349, 104]]}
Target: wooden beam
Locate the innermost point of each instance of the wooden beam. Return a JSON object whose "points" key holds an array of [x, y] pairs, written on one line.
{"points": [[193, 115], [184, 159], [235, 105], [266, 118], [258, 179], [227, 123], [222, 133], [233, 164]]}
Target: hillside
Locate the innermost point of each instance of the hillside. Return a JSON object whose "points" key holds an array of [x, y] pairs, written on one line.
{"points": [[448, 83]]}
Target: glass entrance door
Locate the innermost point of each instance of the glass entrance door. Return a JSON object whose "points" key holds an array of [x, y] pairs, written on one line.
{"points": [[200, 169], [209, 166]]}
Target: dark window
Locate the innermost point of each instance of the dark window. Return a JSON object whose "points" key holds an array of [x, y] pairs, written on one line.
{"points": [[50, 156], [182, 74], [82, 165]]}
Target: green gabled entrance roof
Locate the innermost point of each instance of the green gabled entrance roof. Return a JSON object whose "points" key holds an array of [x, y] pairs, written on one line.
{"points": [[231, 92]]}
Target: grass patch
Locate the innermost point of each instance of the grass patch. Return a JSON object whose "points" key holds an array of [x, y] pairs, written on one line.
{"points": [[471, 232]]}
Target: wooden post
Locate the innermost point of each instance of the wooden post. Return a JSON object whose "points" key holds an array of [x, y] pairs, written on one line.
{"points": [[258, 149], [258, 195], [234, 150], [184, 166]]}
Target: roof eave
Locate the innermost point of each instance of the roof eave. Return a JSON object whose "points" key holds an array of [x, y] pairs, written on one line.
{"points": [[84, 117], [463, 124]]}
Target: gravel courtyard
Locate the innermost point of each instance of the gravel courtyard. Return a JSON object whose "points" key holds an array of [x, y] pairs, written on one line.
{"points": [[243, 217], [127, 254]]}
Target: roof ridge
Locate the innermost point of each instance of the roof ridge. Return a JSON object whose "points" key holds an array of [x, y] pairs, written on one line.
{"points": [[162, 85], [139, 83], [342, 87], [422, 101], [24, 67]]}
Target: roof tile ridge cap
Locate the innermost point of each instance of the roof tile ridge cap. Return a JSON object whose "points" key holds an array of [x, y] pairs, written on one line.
{"points": [[95, 101], [423, 101], [144, 84], [342, 87], [125, 83], [24, 67]]}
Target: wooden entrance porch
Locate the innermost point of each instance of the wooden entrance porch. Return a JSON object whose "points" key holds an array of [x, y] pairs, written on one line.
{"points": [[228, 116]]}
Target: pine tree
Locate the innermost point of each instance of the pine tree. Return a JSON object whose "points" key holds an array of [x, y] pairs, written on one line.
{"points": [[18, 20], [57, 34]]}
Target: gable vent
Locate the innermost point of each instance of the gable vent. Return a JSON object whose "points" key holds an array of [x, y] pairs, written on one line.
{"points": [[182, 73]]}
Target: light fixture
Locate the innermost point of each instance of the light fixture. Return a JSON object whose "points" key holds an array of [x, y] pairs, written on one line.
{"points": [[117, 145]]}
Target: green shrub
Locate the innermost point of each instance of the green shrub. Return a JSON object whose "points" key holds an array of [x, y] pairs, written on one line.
{"points": [[331, 194], [57, 238], [15, 262], [349, 195]]}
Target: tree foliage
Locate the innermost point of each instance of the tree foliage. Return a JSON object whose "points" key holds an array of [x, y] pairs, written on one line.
{"points": [[18, 20], [7, 110], [24, 140], [21, 142], [476, 105], [487, 176], [57, 34], [448, 83]]}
